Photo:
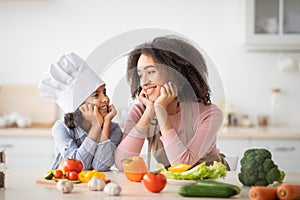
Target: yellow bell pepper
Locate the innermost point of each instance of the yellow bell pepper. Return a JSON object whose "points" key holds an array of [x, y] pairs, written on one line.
{"points": [[86, 175], [179, 167]]}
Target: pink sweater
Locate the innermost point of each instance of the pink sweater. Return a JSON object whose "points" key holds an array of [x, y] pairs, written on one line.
{"points": [[205, 120]]}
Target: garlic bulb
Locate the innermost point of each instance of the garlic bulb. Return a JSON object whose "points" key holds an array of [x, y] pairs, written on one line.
{"points": [[96, 184], [112, 189], [64, 185]]}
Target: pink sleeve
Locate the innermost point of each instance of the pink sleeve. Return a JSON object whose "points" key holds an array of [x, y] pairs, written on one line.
{"points": [[133, 140], [206, 126]]}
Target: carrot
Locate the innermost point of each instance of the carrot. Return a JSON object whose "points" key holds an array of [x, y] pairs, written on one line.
{"points": [[288, 191], [262, 193]]}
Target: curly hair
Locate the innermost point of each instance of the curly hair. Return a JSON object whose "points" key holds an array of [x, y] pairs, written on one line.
{"points": [[184, 63], [73, 119]]}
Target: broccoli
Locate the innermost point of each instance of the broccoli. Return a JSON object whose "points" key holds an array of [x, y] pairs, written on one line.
{"points": [[258, 168]]}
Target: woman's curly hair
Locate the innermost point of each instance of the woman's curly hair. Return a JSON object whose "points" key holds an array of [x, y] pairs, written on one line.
{"points": [[185, 65]]}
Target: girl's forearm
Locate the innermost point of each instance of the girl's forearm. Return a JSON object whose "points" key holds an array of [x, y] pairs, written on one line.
{"points": [[94, 133], [105, 131]]}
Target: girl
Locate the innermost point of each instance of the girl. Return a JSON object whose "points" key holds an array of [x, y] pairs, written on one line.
{"points": [[87, 132]]}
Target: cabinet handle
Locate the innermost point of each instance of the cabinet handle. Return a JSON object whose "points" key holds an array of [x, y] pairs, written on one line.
{"points": [[6, 146], [284, 149]]}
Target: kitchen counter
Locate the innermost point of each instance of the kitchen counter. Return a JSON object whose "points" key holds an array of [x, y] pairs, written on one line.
{"points": [[36, 130], [21, 184], [227, 132], [270, 132]]}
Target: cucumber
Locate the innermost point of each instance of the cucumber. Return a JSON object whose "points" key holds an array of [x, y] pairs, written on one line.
{"points": [[208, 188], [49, 175]]}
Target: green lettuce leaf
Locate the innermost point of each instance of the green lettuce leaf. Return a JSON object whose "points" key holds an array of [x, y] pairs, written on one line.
{"points": [[199, 172]]}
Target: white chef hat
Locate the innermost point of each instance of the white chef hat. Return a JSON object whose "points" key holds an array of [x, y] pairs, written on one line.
{"points": [[69, 82]]}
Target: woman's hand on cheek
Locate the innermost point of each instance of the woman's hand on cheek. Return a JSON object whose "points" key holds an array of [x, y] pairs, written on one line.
{"points": [[144, 100], [167, 94]]}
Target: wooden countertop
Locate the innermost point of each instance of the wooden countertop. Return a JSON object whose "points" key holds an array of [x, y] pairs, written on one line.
{"points": [[280, 132], [36, 130], [20, 184]]}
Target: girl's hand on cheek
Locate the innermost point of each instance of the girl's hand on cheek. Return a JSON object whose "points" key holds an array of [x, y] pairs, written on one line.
{"points": [[91, 114], [112, 112], [98, 116]]}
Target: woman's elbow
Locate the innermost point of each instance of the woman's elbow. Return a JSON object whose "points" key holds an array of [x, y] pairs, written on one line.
{"points": [[118, 161]]}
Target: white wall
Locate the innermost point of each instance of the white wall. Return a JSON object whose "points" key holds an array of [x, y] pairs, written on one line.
{"points": [[34, 33]]}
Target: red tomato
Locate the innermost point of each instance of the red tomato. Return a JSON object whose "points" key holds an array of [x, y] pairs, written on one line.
{"points": [[67, 174], [72, 165], [58, 173], [154, 182], [73, 176]]}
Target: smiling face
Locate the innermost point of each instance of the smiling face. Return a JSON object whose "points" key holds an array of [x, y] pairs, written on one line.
{"points": [[100, 99], [152, 77]]}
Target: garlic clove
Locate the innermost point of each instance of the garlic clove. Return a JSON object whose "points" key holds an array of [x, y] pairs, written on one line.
{"points": [[96, 184], [65, 186], [112, 189]]}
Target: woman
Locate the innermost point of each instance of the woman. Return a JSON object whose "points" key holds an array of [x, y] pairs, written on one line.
{"points": [[174, 113], [87, 132]]}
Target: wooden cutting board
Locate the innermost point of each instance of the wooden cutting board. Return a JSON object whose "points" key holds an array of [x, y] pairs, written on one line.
{"points": [[53, 182]]}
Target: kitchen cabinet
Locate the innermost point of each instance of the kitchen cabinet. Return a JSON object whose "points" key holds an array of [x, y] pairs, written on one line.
{"points": [[273, 24], [285, 152], [233, 148], [28, 152]]}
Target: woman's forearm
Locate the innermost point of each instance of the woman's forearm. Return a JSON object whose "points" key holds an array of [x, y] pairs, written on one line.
{"points": [[146, 118], [163, 119]]}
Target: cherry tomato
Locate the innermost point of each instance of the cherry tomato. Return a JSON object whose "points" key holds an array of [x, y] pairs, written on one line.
{"points": [[154, 182], [73, 176], [134, 168], [58, 173], [72, 165], [67, 174]]}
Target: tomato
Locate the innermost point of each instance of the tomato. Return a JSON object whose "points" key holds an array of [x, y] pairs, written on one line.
{"points": [[72, 165], [154, 182], [73, 176], [58, 173], [134, 168], [67, 174]]}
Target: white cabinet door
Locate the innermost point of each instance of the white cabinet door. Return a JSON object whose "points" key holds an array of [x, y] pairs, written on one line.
{"points": [[28, 152], [273, 24], [233, 150], [286, 153]]}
